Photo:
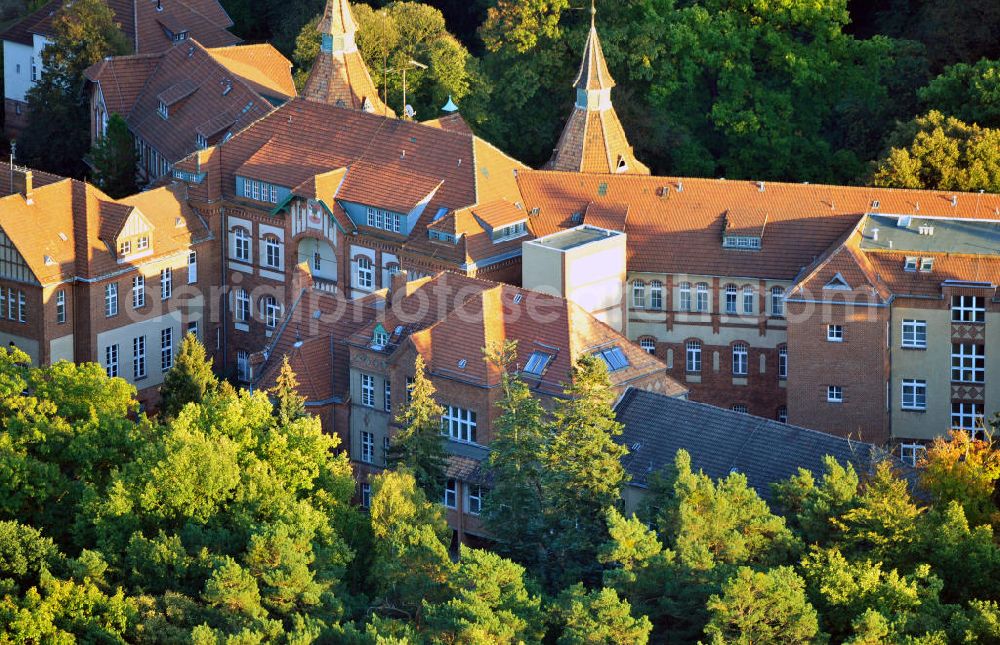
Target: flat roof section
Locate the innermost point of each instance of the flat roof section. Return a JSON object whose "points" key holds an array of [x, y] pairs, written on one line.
{"points": [[574, 237], [930, 235]]}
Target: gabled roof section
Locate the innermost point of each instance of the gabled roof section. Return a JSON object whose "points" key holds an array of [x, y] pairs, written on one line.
{"points": [[122, 79], [387, 186], [261, 66], [613, 217], [499, 213], [177, 92], [845, 274], [452, 122]]}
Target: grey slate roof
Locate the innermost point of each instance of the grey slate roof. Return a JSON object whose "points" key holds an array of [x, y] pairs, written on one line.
{"points": [[720, 441]]}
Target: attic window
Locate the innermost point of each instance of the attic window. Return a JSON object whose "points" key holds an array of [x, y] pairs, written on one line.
{"points": [[163, 111], [510, 232], [576, 218], [602, 189], [875, 205], [926, 264], [614, 358], [537, 363], [740, 242], [380, 337], [622, 165], [49, 261], [910, 264], [441, 236], [837, 282], [200, 141]]}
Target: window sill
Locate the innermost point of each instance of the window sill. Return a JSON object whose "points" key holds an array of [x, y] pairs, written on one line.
{"points": [[241, 326], [913, 348], [903, 409]]}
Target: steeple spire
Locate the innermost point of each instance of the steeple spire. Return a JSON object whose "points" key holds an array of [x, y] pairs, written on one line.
{"points": [[339, 75], [593, 139]]}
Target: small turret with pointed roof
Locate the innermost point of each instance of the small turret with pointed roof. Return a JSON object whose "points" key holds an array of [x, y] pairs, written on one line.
{"points": [[339, 75], [593, 140]]}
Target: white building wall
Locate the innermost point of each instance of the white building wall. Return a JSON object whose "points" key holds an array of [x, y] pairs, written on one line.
{"points": [[16, 70]]}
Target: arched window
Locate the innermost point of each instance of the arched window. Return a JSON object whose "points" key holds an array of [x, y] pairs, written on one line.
{"points": [[366, 274], [656, 295], [272, 252], [648, 343], [702, 288], [741, 352], [638, 294], [747, 300], [693, 362], [684, 296], [782, 361], [730, 299], [270, 311], [241, 244]]}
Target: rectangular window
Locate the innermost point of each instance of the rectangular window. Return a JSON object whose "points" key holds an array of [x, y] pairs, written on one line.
{"points": [[968, 309], [537, 363], [777, 301], [125, 248], [783, 362], [914, 394], [656, 295], [241, 245], [366, 495], [166, 283], [367, 447], [60, 306], [782, 415], [639, 294], [968, 363], [702, 297], [748, 300], [834, 394], [192, 328], [684, 299], [142, 243], [731, 299], [835, 333], [968, 416], [3, 304], [192, 267], [915, 334], [242, 305], [111, 360], [163, 110], [111, 300], [475, 505], [138, 292], [693, 356], [11, 305], [243, 372], [459, 424], [910, 264], [272, 253], [910, 453], [368, 390], [450, 498], [386, 443], [740, 359], [387, 396], [366, 274], [614, 358], [139, 357], [22, 307], [166, 348]]}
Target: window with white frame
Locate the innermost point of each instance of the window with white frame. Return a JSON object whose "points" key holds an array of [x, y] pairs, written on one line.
{"points": [[139, 357], [914, 394], [968, 363], [124, 247], [192, 328], [926, 265], [684, 296], [242, 305], [782, 361], [138, 292], [537, 363], [968, 416], [777, 301], [911, 453], [834, 394], [741, 353], [272, 252], [163, 110], [450, 498], [910, 264], [782, 415], [648, 344], [968, 309], [22, 307], [748, 298], [166, 348], [378, 218], [702, 292], [656, 295], [367, 447], [915, 334], [511, 231], [386, 445], [111, 360], [366, 273], [459, 424], [368, 390], [366, 495], [60, 306], [192, 267], [693, 362], [166, 283], [142, 243], [387, 395], [3, 304], [835, 333], [270, 309], [475, 497], [638, 294], [730, 298], [243, 372], [241, 244], [741, 408], [11, 305], [111, 300]]}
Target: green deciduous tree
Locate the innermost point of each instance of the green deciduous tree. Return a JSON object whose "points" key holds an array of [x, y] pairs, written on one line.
{"points": [[188, 380], [941, 153], [598, 616], [57, 136], [970, 93], [963, 470], [114, 160], [762, 607], [419, 445]]}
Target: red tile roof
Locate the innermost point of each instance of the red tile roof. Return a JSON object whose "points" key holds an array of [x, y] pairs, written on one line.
{"points": [[386, 185], [452, 122], [593, 73], [262, 66]]}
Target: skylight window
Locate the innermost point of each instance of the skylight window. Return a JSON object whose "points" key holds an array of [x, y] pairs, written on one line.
{"points": [[614, 357], [926, 264], [537, 363], [910, 264]]}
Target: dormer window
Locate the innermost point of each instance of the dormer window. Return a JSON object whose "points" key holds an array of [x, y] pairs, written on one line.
{"points": [[163, 110], [926, 264], [910, 264], [180, 36], [380, 337], [741, 242], [441, 236], [201, 141], [509, 232]]}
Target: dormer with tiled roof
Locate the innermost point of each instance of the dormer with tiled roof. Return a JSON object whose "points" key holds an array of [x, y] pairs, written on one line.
{"points": [[593, 140], [339, 76]]}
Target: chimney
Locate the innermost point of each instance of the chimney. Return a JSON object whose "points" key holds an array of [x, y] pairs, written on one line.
{"points": [[397, 284], [874, 235], [22, 182]]}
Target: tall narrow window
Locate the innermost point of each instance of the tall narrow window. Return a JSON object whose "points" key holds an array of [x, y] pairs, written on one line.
{"points": [[60, 306], [702, 296], [782, 361], [3, 304], [242, 305], [656, 295], [241, 244], [366, 495], [450, 498], [11, 305], [272, 252], [368, 390], [271, 311], [367, 447], [111, 300], [366, 274], [748, 298], [166, 348], [730, 298], [475, 505], [777, 301], [693, 363], [138, 292], [22, 307], [387, 395], [638, 294], [166, 283], [192, 267], [243, 372], [782, 415], [740, 359], [139, 357], [684, 296], [111, 360]]}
